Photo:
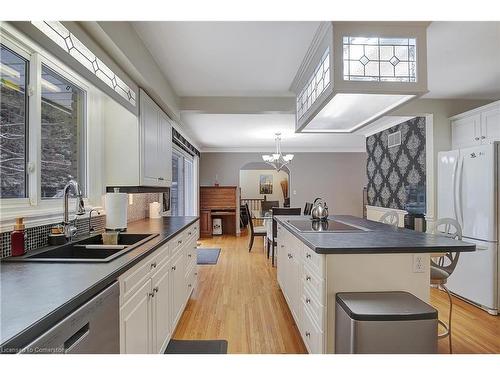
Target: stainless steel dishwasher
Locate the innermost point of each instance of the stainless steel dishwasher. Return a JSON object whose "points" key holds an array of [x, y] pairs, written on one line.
{"points": [[93, 328]]}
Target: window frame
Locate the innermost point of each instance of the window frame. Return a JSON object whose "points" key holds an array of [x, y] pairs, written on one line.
{"points": [[41, 211], [185, 155]]}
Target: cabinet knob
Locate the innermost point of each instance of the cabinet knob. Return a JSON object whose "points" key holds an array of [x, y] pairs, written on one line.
{"points": [[308, 278], [153, 265], [189, 233], [173, 268], [189, 255], [308, 300], [483, 137], [477, 138], [151, 294], [179, 242], [189, 285], [196, 273], [156, 289], [308, 255], [289, 256], [160, 179], [282, 246], [308, 334]]}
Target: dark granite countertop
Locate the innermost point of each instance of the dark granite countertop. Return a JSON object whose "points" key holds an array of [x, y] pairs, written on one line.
{"points": [[35, 296], [381, 238]]}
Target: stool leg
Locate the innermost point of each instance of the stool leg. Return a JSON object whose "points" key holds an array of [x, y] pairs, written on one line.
{"points": [[449, 317]]}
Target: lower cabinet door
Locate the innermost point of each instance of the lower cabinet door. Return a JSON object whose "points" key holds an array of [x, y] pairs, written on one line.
{"points": [[178, 287], [135, 322], [161, 308]]}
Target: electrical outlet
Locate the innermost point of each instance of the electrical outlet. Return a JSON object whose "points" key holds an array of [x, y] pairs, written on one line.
{"points": [[418, 263]]}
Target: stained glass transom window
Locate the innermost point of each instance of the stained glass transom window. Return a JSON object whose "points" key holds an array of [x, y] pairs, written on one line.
{"points": [[318, 82], [72, 45], [380, 59]]}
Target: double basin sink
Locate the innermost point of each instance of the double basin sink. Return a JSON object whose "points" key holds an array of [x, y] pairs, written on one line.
{"points": [[78, 252]]}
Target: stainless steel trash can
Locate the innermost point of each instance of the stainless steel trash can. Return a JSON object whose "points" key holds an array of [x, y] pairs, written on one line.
{"points": [[384, 322]]}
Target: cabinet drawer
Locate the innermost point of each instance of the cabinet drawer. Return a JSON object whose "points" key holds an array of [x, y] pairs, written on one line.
{"points": [[311, 334], [314, 261], [177, 242], [193, 231], [134, 278], [315, 284], [311, 304], [159, 257]]}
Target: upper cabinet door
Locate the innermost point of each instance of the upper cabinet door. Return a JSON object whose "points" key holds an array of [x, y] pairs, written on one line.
{"points": [[466, 132], [156, 144], [165, 150], [490, 125], [149, 142]]}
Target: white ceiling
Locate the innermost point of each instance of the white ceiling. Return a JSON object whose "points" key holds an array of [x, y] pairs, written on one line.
{"points": [[255, 132], [463, 60], [228, 58], [261, 59]]}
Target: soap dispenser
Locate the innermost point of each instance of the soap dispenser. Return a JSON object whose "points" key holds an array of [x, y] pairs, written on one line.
{"points": [[18, 238]]}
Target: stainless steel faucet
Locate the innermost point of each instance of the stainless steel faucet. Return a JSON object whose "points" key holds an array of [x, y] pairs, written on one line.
{"points": [[70, 228]]}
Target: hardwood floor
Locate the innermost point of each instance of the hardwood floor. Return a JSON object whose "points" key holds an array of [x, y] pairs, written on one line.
{"points": [[239, 300]]}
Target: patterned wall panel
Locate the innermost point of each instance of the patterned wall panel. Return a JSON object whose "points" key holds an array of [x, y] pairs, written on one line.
{"points": [[391, 171]]}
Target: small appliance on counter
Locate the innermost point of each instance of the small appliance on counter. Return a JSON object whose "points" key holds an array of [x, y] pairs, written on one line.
{"points": [[116, 211], [319, 210], [165, 202]]}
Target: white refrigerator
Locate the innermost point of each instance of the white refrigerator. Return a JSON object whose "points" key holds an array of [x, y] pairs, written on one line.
{"points": [[468, 190]]}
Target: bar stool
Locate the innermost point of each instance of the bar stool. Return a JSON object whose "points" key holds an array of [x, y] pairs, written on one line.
{"points": [[442, 266], [390, 217]]}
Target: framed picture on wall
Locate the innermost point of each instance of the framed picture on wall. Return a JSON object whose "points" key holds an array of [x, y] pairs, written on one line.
{"points": [[266, 184]]}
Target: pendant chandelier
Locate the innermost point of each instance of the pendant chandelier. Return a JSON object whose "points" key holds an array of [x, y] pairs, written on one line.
{"points": [[277, 160]]}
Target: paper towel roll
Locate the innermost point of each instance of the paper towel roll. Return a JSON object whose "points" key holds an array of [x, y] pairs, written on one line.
{"points": [[116, 210], [154, 210]]}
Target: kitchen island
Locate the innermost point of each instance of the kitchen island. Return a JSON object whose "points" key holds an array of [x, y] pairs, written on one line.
{"points": [[348, 255]]}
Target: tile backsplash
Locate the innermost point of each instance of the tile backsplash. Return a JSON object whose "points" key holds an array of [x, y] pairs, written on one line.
{"points": [[139, 209], [37, 237]]}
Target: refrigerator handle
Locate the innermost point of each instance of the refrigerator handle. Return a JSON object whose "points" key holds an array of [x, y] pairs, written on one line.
{"points": [[459, 213], [454, 189]]}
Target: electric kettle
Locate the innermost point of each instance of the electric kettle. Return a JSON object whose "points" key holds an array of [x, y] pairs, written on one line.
{"points": [[319, 210]]}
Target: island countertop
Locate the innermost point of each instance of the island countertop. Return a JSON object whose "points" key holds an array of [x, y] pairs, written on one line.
{"points": [[378, 238], [35, 296]]}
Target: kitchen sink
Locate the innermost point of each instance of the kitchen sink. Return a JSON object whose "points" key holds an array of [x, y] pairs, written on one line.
{"points": [[77, 252]]}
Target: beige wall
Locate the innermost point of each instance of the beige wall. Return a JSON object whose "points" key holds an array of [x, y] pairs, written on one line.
{"points": [[337, 177], [249, 184]]}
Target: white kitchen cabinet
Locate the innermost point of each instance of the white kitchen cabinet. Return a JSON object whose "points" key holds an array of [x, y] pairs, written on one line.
{"points": [[178, 282], [154, 293], [490, 125], [135, 322], [161, 308], [476, 127], [138, 150], [155, 143]]}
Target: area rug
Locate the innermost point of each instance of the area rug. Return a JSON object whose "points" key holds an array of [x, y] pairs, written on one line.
{"points": [[207, 255], [197, 347]]}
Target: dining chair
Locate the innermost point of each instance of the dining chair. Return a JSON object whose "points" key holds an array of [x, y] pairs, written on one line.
{"points": [[267, 205], [279, 211], [391, 218], [443, 266], [308, 207], [254, 231]]}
